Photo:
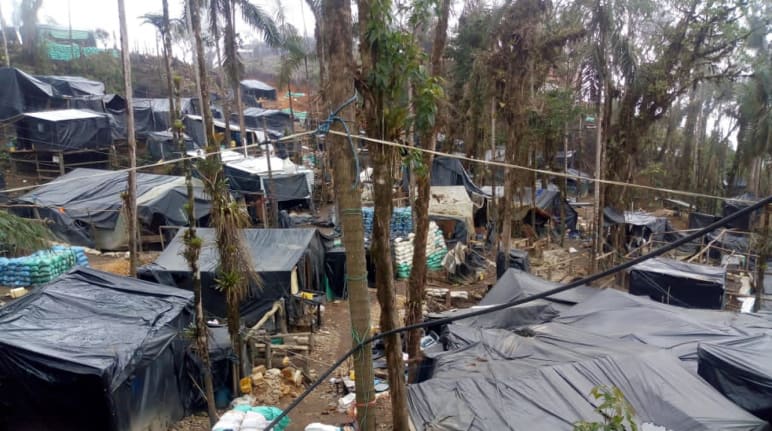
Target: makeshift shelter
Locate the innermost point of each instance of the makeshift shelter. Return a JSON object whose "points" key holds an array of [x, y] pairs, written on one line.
{"points": [[255, 90], [274, 120], [518, 259], [533, 366], [21, 93], [288, 181], [548, 206], [64, 130], [737, 203], [95, 351], [86, 208], [155, 113], [679, 283], [448, 171], [742, 371], [74, 86], [161, 145], [450, 205], [194, 127], [288, 261], [578, 184]]}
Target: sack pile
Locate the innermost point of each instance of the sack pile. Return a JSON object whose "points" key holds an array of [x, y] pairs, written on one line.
{"points": [[40, 267], [401, 222], [436, 249]]}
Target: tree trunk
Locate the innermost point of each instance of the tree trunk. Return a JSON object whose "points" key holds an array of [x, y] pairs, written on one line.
{"points": [[505, 203], [131, 194], [6, 59], [417, 281], [235, 78], [338, 38], [168, 65], [192, 254]]}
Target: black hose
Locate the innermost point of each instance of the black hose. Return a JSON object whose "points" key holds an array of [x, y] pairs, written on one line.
{"points": [[589, 279]]}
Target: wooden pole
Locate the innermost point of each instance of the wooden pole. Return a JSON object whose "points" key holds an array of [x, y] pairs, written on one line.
{"points": [[131, 199], [597, 248], [761, 263], [269, 189], [6, 59]]}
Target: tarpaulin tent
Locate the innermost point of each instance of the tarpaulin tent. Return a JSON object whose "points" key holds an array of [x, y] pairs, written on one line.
{"points": [[557, 395], [679, 283], [287, 260], [159, 111], [86, 208], [679, 330], [742, 371], [448, 171], [64, 130], [548, 206], [194, 127], [699, 220], [74, 86], [22, 93], [289, 181], [275, 120], [254, 89], [736, 204], [161, 145], [95, 351]]}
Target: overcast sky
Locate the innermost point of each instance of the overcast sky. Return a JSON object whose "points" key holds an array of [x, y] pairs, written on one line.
{"points": [[93, 14]]}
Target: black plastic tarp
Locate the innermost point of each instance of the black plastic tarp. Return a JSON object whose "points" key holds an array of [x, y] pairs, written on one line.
{"points": [[742, 371], [74, 86], [448, 171], [700, 220], [518, 259], [257, 89], [679, 330], [554, 397], [275, 120], [635, 218], [161, 145], [282, 187], [679, 283], [737, 203], [95, 351], [274, 254], [64, 130], [335, 270], [91, 198], [20, 93]]}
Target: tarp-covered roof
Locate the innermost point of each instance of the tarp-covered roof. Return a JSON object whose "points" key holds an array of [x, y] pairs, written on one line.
{"points": [[92, 197], [270, 250], [537, 367], [548, 202], [22, 93], [452, 201], [742, 371], [448, 171], [677, 268], [74, 85], [259, 89], [64, 115], [679, 283], [64, 130], [120, 332], [273, 253]]}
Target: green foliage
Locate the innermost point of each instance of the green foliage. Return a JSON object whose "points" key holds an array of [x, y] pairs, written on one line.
{"points": [[617, 413], [20, 236]]}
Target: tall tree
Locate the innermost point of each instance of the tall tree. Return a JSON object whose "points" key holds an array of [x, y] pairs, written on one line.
{"points": [[131, 193], [338, 38], [235, 272], [6, 59], [29, 27], [429, 127]]}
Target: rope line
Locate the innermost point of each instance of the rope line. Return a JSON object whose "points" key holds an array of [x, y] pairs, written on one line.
{"points": [[538, 171]]}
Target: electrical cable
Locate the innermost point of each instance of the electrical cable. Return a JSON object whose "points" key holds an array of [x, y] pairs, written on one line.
{"points": [[574, 284]]}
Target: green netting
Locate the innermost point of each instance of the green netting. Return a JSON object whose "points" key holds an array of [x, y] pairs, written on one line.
{"points": [[67, 52], [300, 115]]}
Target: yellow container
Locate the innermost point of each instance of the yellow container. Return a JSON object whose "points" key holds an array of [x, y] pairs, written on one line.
{"points": [[246, 385], [307, 295], [351, 374]]}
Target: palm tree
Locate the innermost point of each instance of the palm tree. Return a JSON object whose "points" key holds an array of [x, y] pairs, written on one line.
{"points": [[235, 272]]}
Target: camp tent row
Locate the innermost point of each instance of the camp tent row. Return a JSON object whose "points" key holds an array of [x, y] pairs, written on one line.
{"points": [[533, 366]]}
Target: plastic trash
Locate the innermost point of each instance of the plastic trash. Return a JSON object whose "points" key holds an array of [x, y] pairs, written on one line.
{"points": [[346, 402], [321, 427]]}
